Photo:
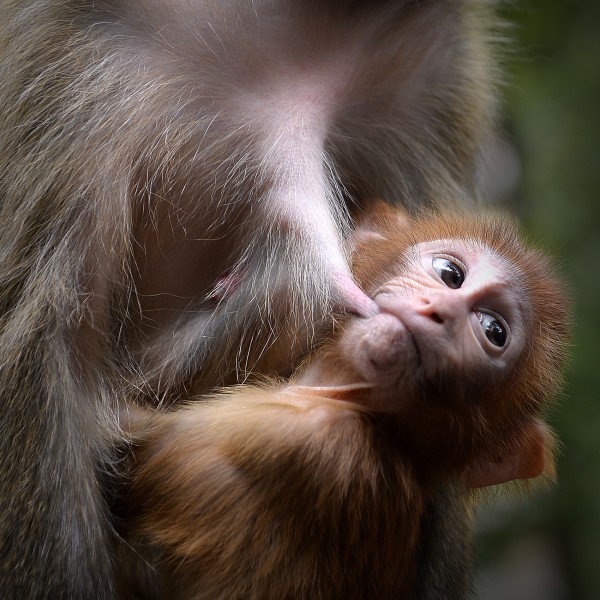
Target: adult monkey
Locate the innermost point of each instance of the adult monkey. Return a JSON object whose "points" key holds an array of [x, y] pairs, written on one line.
{"points": [[177, 184]]}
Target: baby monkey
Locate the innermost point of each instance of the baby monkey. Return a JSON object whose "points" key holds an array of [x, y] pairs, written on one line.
{"points": [[315, 487]]}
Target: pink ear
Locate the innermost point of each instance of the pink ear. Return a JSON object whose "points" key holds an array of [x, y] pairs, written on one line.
{"points": [[376, 221], [533, 457], [378, 215]]}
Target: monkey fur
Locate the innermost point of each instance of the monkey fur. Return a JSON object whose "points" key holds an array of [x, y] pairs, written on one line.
{"points": [[177, 184]]}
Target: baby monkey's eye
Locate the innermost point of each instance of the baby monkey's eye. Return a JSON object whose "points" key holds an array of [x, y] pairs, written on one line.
{"points": [[493, 329], [450, 273]]}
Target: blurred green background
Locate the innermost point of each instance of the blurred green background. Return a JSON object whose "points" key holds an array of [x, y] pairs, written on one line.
{"points": [[547, 546]]}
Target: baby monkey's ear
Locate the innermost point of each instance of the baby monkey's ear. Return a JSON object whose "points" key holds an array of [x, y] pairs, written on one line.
{"points": [[379, 218], [381, 232], [533, 456]]}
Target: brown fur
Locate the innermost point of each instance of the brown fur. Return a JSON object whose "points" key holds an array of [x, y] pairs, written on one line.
{"points": [[294, 502], [295, 492]]}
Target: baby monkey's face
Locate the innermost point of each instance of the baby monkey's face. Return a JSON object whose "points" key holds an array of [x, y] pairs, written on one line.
{"points": [[454, 311], [449, 363]]}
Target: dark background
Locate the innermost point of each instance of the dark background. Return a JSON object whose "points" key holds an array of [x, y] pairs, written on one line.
{"points": [[546, 546]]}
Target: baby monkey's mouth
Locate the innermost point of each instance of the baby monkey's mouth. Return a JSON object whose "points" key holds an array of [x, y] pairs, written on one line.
{"points": [[386, 349]]}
